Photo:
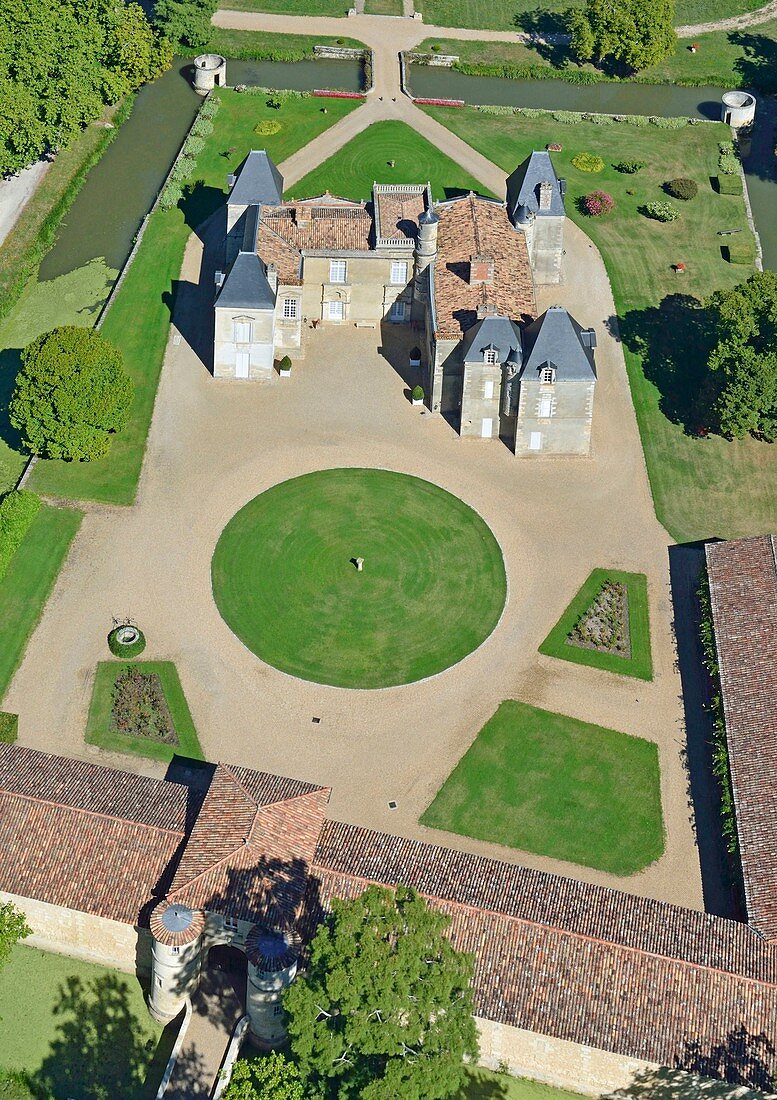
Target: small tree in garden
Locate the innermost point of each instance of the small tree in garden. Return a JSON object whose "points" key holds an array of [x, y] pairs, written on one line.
{"points": [[13, 927], [72, 393], [598, 203], [635, 33], [273, 1077], [384, 1009], [681, 189]]}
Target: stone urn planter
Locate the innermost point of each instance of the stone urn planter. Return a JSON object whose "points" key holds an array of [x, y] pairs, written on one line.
{"points": [[126, 640], [417, 395], [284, 367]]}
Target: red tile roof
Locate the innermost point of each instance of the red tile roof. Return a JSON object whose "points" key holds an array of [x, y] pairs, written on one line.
{"points": [[743, 588], [326, 224]]}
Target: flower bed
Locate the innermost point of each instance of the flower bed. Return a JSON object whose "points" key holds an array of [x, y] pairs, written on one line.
{"points": [[329, 93], [139, 707], [597, 203], [441, 102], [604, 625]]}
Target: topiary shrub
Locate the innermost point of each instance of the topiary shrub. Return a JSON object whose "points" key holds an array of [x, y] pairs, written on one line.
{"points": [[284, 364], [730, 185], [587, 162], [171, 195], [681, 189], [267, 127], [202, 127], [728, 163], [417, 393], [629, 167], [597, 203], [9, 731], [129, 649], [661, 211], [740, 250]]}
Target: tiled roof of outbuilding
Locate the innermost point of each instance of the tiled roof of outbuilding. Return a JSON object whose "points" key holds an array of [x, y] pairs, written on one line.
{"points": [[325, 224], [474, 226], [743, 588]]}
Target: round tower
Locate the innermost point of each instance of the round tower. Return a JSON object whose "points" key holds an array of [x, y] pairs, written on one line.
{"points": [[210, 71], [737, 108], [425, 252], [272, 966], [175, 957]]}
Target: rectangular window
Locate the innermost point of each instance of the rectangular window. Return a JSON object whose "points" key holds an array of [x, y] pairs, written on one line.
{"points": [[486, 427], [535, 441], [337, 271], [488, 389], [397, 312], [489, 357], [277, 1010], [290, 309], [399, 272], [176, 951], [242, 331], [546, 406], [230, 925], [336, 311]]}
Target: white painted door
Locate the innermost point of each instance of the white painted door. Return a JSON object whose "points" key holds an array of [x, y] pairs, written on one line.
{"points": [[486, 426], [242, 364], [535, 441]]}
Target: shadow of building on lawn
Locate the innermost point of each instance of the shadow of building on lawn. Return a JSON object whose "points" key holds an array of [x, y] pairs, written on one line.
{"points": [[720, 885]]}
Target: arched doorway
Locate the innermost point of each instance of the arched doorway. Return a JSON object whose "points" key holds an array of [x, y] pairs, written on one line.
{"points": [[222, 992]]}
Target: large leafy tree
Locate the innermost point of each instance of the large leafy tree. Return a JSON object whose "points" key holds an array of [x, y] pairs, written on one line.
{"points": [[185, 22], [13, 927], [271, 1078], [71, 394], [741, 390], [384, 1008], [634, 33], [60, 62]]}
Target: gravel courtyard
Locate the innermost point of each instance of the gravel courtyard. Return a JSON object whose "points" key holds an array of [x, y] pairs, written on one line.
{"points": [[214, 446]]}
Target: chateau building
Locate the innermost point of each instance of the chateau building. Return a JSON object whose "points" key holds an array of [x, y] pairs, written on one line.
{"points": [[461, 272], [578, 985]]}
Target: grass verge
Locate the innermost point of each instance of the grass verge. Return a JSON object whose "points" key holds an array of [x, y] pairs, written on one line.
{"points": [[389, 152], [546, 783], [290, 7], [78, 1029], [98, 726], [640, 664], [139, 318], [701, 486], [260, 46], [26, 586], [482, 1084]]}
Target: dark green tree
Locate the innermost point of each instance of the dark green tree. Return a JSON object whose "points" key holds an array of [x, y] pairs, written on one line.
{"points": [[634, 33], [740, 393], [61, 61], [385, 1007], [185, 22], [13, 927], [271, 1078], [71, 394]]}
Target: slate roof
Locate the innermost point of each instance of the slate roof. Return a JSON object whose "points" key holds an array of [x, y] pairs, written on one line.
{"points": [[474, 226], [743, 589], [86, 837], [586, 964], [556, 339], [251, 847], [245, 285], [523, 186], [498, 333], [257, 181]]}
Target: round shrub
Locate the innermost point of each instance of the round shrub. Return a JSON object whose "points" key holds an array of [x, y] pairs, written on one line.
{"points": [[202, 127], [681, 189], [194, 146], [661, 211], [728, 163], [597, 203], [267, 127], [171, 195], [417, 393], [629, 167], [126, 649], [210, 107], [588, 162]]}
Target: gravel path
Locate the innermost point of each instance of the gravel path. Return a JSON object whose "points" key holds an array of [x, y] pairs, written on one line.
{"points": [[16, 192], [735, 23]]}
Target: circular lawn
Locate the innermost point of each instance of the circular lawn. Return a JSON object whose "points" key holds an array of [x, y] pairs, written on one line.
{"points": [[431, 590]]}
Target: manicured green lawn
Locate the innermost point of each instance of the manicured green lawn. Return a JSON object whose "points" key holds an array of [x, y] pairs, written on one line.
{"points": [[78, 1030], [290, 7], [727, 58], [139, 319], [383, 7], [700, 486], [98, 727], [640, 663], [351, 172], [507, 14], [549, 784], [277, 47], [26, 586], [432, 589], [484, 1085]]}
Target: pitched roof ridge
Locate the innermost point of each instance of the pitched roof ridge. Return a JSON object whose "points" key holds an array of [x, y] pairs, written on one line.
{"points": [[280, 237], [228, 769], [89, 813], [586, 937], [207, 870]]}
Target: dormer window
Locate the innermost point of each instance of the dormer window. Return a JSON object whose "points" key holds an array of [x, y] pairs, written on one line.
{"points": [[490, 357], [548, 375]]}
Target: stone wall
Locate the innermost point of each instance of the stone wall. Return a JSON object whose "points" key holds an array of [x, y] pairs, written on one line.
{"points": [[84, 936], [567, 431], [367, 294]]}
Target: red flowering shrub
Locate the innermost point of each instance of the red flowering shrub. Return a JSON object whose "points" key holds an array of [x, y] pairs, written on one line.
{"points": [[597, 203]]}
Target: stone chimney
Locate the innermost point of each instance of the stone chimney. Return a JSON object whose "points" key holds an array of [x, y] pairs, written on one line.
{"points": [[303, 217], [272, 277], [546, 194], [487, 309], [481, 270]]}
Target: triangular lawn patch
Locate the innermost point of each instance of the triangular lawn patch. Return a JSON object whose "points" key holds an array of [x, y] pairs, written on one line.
{"points": [[606, 625]]}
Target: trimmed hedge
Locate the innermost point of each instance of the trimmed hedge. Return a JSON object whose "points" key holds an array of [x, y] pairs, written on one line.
{"points": [[17, 511], [740, 250], [9, 727], [126, 652], [730, 185]]}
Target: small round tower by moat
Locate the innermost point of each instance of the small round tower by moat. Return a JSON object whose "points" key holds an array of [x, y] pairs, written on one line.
{"points": [[210, 71]]}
